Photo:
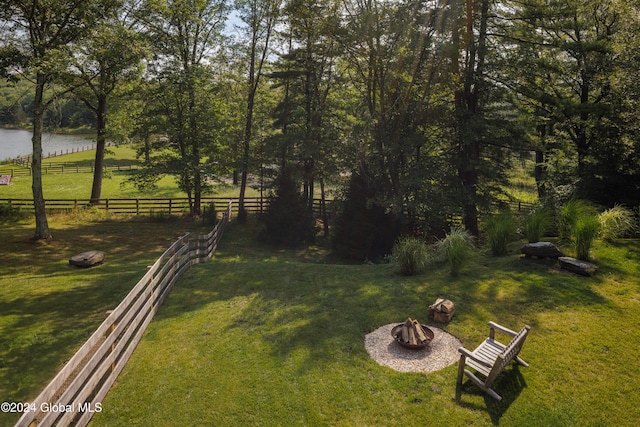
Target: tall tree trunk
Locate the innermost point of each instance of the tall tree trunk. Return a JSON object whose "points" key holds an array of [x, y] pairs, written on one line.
{"points": [[255, 71], [194, 136], [42, 225], [468, 113], [323, 208], [98, 173], [246, 143]]}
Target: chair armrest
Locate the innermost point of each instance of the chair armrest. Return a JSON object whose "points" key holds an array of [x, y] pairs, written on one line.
{"points": [[493, 326], [470, 355]]}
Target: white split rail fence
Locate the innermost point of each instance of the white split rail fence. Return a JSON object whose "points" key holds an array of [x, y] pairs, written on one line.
{"points": [[76, 392]]}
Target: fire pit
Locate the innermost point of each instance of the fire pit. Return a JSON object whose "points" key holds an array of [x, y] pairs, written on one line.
{"points": [[412, 334]]}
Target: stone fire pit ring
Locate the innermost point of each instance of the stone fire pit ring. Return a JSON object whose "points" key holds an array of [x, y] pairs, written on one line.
{"points": [[385, 350]]}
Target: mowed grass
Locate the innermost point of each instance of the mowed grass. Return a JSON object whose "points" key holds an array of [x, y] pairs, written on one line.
{"points": [[48, 308], [276, 338], [115, 184]]}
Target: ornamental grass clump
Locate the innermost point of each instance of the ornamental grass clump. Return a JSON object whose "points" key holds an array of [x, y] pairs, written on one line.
{"points": [[616, 222], [585, 231], [500, 230], [411, 255], [568, 216], [536, 224], [456, 249]]}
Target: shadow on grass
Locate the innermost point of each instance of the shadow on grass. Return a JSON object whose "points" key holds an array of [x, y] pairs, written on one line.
{"points": [[509, 386], [327, 309], [49, 308]]}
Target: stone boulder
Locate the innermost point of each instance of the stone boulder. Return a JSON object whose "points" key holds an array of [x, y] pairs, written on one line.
{"points": [[541, 250], [87, 259], [582, 268]]}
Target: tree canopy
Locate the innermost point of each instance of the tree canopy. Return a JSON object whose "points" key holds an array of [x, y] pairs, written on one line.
{"points": [[411, 110]]}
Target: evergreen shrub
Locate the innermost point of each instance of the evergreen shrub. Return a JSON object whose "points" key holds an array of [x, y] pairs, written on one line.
{"points": [[287, 220], [363, 229]]}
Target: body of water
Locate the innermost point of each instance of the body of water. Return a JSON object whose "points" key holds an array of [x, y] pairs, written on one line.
{"points": [[17, 142]]}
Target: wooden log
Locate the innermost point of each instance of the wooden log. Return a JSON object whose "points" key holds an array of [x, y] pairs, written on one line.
{"points": [[422, 338], [405, 333]]}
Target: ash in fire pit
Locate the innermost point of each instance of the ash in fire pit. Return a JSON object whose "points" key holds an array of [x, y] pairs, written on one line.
{"points": [[412, 334]]}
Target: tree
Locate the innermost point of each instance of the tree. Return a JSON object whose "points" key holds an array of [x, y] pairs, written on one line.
{"points": [[37, 36], [185, 35], [260, 18], [568, 51], [307, 71], [112, 54], [470, 53]]}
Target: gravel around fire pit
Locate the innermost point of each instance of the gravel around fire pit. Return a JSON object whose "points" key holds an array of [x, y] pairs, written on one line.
{"points": [[440, 353]]}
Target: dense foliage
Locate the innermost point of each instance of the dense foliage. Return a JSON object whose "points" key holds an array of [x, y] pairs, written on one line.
{"points": [[425, 103]]}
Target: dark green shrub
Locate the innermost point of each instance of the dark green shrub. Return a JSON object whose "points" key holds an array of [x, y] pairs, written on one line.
{"points": [[363, 230], [9, 213], [287, 220], [210, 214]]}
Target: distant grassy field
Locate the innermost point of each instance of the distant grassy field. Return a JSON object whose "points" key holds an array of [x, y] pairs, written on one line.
{"points": [[114, 185], [522, 184]]}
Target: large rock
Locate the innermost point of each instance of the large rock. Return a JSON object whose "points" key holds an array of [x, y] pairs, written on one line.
{"points": [[87, 259], [541, 250], [582, 268]]}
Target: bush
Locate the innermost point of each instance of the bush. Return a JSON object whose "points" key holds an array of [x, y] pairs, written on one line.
{"points": [[9, 213], [364, 230], [616, 222], [568, 216], [210, 214], [287, 220], [500, 230], [411, 255], [584, 232], [455, 249], [536, 224]]}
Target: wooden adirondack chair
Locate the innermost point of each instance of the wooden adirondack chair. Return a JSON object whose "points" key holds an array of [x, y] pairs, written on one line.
{"points": [[491, 357]]}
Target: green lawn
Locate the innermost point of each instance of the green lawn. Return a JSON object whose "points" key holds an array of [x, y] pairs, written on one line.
{"points": [[273, 338], [259, 336], [48, 308], [114, 185]]}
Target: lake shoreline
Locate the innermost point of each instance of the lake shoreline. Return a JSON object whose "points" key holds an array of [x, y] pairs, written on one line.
{"points": [[16, 143], [57, 131]]}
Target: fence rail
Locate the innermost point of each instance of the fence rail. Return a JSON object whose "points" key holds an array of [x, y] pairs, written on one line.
{"points": [[176, 206], [26, 160], [78, 389], [61, 168], [142, 206]]}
